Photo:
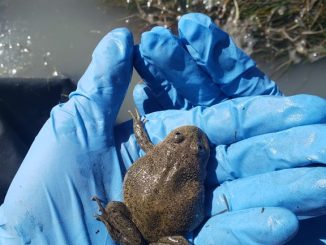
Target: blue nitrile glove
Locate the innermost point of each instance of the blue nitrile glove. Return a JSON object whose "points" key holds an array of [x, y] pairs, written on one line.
{"points": [[79, 153], [201, 67], [73, 158], [255, 136]]}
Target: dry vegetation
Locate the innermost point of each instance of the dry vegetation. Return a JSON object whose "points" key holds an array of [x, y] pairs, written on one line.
{"points": [[293, 30]]}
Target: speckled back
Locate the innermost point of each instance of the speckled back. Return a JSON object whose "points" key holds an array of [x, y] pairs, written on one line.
{"points": [[164, 190]]}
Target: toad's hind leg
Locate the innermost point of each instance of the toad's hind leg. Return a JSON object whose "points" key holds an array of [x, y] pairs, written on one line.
{"points": [[117, 220], [171, 240], [140, 132]]}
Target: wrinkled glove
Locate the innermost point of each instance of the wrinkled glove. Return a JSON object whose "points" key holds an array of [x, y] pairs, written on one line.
{"points": [[79, 153], [72, 158], [260, 141]]}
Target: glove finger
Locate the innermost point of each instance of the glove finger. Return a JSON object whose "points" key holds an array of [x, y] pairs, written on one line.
{"points": [[270, 225], [178, 67], [163, 91], [301, 190], [295, 147], [102, 88], [241, 118], [216, 53]]}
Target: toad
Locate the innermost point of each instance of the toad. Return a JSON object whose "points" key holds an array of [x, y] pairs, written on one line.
{"points": [[164, 195]]}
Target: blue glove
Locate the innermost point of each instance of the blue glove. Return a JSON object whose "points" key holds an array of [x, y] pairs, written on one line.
{"points": [[255, 136], [200, 68], [72, 158], [79, 153]]}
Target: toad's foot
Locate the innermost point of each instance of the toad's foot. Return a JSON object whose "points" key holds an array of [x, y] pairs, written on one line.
{"points": [[101, 208], [171, 240], [140, 132], [116, 218]]}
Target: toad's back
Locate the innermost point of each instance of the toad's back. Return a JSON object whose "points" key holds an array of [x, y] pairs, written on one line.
{"points": [[164, 190]]}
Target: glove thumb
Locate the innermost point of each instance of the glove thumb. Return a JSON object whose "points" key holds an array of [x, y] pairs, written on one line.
{"points": [[102, 88]]}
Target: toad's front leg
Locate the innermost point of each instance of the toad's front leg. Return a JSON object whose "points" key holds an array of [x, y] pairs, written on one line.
{"points": [[117, 220], [140, 132]]}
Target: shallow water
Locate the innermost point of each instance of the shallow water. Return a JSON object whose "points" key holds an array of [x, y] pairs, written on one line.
{"points": [[44, 38], [53, 35], [308, 78]]}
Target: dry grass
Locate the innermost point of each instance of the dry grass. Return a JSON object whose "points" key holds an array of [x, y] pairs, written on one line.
{"points": [[293, 30]]}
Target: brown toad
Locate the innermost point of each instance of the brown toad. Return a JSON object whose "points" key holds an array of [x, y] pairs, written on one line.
{"points": [[164, 193]]}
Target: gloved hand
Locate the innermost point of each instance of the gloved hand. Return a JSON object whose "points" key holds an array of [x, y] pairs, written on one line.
{"points": [[255, 136], [79, 153], [73, 158]]}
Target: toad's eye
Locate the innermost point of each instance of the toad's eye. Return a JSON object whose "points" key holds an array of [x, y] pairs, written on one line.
{"points": [[178, 137]]}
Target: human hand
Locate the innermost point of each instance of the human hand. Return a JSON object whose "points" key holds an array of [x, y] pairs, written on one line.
{"points": [[78, 153], [203, 67], [72, 158]]}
